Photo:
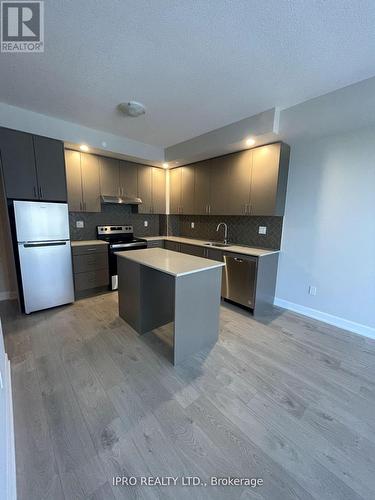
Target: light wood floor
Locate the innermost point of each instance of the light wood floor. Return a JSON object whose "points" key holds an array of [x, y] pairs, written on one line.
{"points": [[285, 399]]}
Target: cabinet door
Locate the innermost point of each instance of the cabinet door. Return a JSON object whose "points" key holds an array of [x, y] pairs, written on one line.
{"points": [[158, 190], [50, 166], [187, 189], [145, 189], [213, 254], [90, 183], [239, 182], [202, 188], [172, 245], [264, 179], [18, 162], [128, 178], [219, 184], [175, 190], [109, 177], [193, 250], [74, 180]]}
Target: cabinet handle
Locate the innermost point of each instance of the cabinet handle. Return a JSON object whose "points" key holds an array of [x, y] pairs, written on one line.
{"points": [[250, 209], [209, 209], [84, 206], [35, 195], [40, 192]]}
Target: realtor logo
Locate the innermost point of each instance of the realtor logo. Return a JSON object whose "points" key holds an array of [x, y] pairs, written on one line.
{"points": [[22, 26]]}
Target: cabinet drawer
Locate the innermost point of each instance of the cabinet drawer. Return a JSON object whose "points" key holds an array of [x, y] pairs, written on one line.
{"points": [[172, 245], [90, 262], [193, 250], [155, 244], [89, 249], [91, 279]]}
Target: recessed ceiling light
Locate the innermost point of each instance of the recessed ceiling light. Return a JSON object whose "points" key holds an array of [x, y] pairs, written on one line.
{"points": [[84, 148], [165, 165], [132, 108], [250, 141]]}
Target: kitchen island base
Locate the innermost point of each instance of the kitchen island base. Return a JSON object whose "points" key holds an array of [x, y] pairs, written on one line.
{"points": [[150, 298]]}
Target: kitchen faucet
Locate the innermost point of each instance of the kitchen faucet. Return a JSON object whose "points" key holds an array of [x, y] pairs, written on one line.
{"points": [[225, 231]]}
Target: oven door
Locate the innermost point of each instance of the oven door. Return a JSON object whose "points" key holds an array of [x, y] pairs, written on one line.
{"points": [[120, 247]]}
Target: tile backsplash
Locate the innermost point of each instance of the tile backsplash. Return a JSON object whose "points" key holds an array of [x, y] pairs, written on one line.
{"points": [[112, 214], [241, 230]]}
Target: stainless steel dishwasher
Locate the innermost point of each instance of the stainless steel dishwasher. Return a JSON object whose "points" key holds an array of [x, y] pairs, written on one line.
{"points": [[239, 279]]}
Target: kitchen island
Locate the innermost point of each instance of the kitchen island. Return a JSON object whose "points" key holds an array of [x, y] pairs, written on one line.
{"points": [[158, 286]]}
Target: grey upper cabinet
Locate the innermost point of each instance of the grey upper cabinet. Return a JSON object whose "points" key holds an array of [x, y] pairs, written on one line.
{"points": [[201, 188], [74, 180], [50, 166], [109, 176], [175, 190], [269, 179], [219, 182], [182, 188], [33, 166], [83, 179], [90, 169], [158, 191], [18, 163], [239, 183], [128, 178], [187, 189], [145, 189]]}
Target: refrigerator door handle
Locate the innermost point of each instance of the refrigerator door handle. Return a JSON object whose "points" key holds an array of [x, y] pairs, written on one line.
{"points": [[47, 244]]}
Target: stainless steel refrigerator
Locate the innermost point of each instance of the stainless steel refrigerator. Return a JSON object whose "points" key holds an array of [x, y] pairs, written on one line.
{"points": [[45, 261]]}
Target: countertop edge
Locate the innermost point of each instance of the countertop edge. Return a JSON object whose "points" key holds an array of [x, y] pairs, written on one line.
{"points": [[232, 248]]}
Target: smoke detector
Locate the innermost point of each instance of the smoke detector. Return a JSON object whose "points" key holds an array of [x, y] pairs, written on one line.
{"points": [[132, 108]]}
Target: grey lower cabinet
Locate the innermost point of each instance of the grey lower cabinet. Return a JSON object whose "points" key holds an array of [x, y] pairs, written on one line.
{"points": [[155, 244], [90, 268], [246, 280], [193, 250], [33, 166], [83, 180], [172, 245]]}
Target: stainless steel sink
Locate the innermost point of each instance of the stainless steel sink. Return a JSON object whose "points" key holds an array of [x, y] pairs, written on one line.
{"points": [[219, 245]]}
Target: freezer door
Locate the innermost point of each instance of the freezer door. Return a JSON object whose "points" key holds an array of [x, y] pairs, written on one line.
{"points": [[41, 221], [47, 277]]}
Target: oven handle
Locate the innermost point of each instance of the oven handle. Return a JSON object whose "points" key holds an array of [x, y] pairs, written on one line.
{"points": [[128, 245]]}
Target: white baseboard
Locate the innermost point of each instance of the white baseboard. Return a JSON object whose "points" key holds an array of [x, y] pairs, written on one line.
{"points": [[8, 295], [345, 324]]}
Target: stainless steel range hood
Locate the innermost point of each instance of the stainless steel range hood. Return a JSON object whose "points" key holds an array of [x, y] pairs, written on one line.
{"points": [[122, 200]]}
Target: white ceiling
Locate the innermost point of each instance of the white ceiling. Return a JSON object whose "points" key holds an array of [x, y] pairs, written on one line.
{"points": [[196, 65]]}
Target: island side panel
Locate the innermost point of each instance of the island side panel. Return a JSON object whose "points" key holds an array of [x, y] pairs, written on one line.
{"points": [[197, 309], [157, 296], [129, 292]]}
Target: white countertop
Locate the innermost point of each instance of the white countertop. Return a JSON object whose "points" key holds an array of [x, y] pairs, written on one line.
{"points": [[81, 243], [169, 262], [255, 252]]}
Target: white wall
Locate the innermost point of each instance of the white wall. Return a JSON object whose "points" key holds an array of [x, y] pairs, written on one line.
{"points": [[329, 230]]}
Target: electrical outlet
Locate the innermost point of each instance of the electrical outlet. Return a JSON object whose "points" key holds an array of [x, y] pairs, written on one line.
{"points": [[80, 224], [262, 230], [312, 290], [192, 225], [145, 223]]}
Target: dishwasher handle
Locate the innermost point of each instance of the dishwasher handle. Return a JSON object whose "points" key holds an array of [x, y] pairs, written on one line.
{"points": [[237, 259]]}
